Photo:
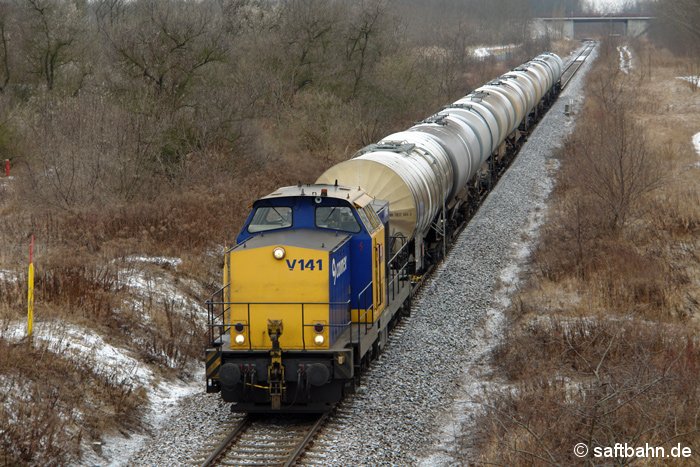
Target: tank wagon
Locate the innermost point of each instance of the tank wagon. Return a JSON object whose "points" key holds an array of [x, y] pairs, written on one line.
{"points": [[321, 272]]}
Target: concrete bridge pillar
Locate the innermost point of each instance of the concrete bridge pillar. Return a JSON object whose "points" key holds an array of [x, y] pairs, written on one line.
{"points": [[568, 29], [636, 27]]}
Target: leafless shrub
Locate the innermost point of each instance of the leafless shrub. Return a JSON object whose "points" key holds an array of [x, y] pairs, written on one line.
{"points": [[50, 404], [174, 335], [614, 164], [85, 151], [596, 382]]}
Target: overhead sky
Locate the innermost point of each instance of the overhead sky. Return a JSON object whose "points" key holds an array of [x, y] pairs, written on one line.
{"points": [[606, 5]]}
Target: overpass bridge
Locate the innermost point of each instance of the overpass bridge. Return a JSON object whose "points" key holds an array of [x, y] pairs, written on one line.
{"points": [[566, 26]]}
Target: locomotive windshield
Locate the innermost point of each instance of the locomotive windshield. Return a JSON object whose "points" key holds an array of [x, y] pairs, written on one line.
{"points": [[336, 218], [270, 218]]}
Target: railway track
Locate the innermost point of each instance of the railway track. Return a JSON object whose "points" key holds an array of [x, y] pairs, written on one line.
{"points": [[265, 441], [573, 66]]}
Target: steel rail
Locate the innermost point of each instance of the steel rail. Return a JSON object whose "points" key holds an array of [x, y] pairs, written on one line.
{"points": [[287, 459], [225, 444], [584, 54], [301, 447]]}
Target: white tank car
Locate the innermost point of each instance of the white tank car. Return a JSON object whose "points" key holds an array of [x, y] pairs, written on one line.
{"points": [[421, 170]]}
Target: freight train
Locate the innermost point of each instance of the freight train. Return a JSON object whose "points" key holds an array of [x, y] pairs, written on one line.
{"points": [[320, 273]]}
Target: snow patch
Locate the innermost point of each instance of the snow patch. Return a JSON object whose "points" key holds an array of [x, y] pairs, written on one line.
{"points": [[694, 80], [84, 345], [159, 260], [8, 276], [696, 144], [158, 286], [164, 400], [625, 59], [482, 52]]}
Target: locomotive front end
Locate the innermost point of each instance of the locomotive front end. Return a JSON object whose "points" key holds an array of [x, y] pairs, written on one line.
{"points": [[281, 325]]}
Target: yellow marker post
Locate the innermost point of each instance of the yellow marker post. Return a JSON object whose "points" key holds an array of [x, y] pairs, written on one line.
{"points": [[30, 290]]}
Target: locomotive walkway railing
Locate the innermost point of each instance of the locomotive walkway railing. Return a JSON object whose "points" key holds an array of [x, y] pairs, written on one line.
{"points": [[219, 311]]}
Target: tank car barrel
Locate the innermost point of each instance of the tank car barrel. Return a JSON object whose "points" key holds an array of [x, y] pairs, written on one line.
{"points": [[422, 169]]}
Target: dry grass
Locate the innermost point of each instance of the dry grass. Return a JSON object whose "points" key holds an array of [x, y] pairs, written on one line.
{"points": [[51, 404], [602, 347], [593, 381]]}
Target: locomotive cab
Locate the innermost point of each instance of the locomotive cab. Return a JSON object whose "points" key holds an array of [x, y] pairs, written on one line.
{"points": [[303, 285]]}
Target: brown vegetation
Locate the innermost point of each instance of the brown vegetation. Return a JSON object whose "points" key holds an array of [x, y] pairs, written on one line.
{"points": [[602, 345], [49, 404]]}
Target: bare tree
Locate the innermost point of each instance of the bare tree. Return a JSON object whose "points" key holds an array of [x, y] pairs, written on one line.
{"points": [[51, 32], [615, 165], [4, 49], [164, 43], [683, 13], [361, 49], [678, 25]]}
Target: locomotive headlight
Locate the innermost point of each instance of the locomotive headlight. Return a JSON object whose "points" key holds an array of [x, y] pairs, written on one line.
{"points": [[240, 339], [319, 339], [278, 252]]}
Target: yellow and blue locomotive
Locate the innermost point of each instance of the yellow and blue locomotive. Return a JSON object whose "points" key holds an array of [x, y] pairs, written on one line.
{"points": [[306, 299], [320, 273]]}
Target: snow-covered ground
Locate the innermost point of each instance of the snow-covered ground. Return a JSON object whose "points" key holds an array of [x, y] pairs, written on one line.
{"points": [[164, 400], [480, 52], [625, 59], [148, 285], [8, 276], [694, 80], [483, 52], [85, 345], [82, 344], [149, 280]]}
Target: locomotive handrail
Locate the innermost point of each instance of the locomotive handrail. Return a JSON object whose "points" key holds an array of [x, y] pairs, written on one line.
{"points": [[400, 250], [362, 303], [210, 311], [397, 268], [217, 321]]}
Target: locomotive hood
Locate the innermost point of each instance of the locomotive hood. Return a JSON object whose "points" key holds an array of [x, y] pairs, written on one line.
{"points": [[297, 277]]}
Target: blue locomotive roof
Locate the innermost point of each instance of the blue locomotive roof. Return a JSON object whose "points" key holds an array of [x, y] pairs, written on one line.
{"points": [[353, 195], [313, 207]]}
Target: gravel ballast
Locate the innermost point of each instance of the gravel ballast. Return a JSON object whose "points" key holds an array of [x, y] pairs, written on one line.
{"points": [[415, 400]]}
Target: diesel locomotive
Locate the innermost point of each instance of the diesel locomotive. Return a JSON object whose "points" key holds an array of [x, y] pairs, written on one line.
{"points": [[321, 272]]}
